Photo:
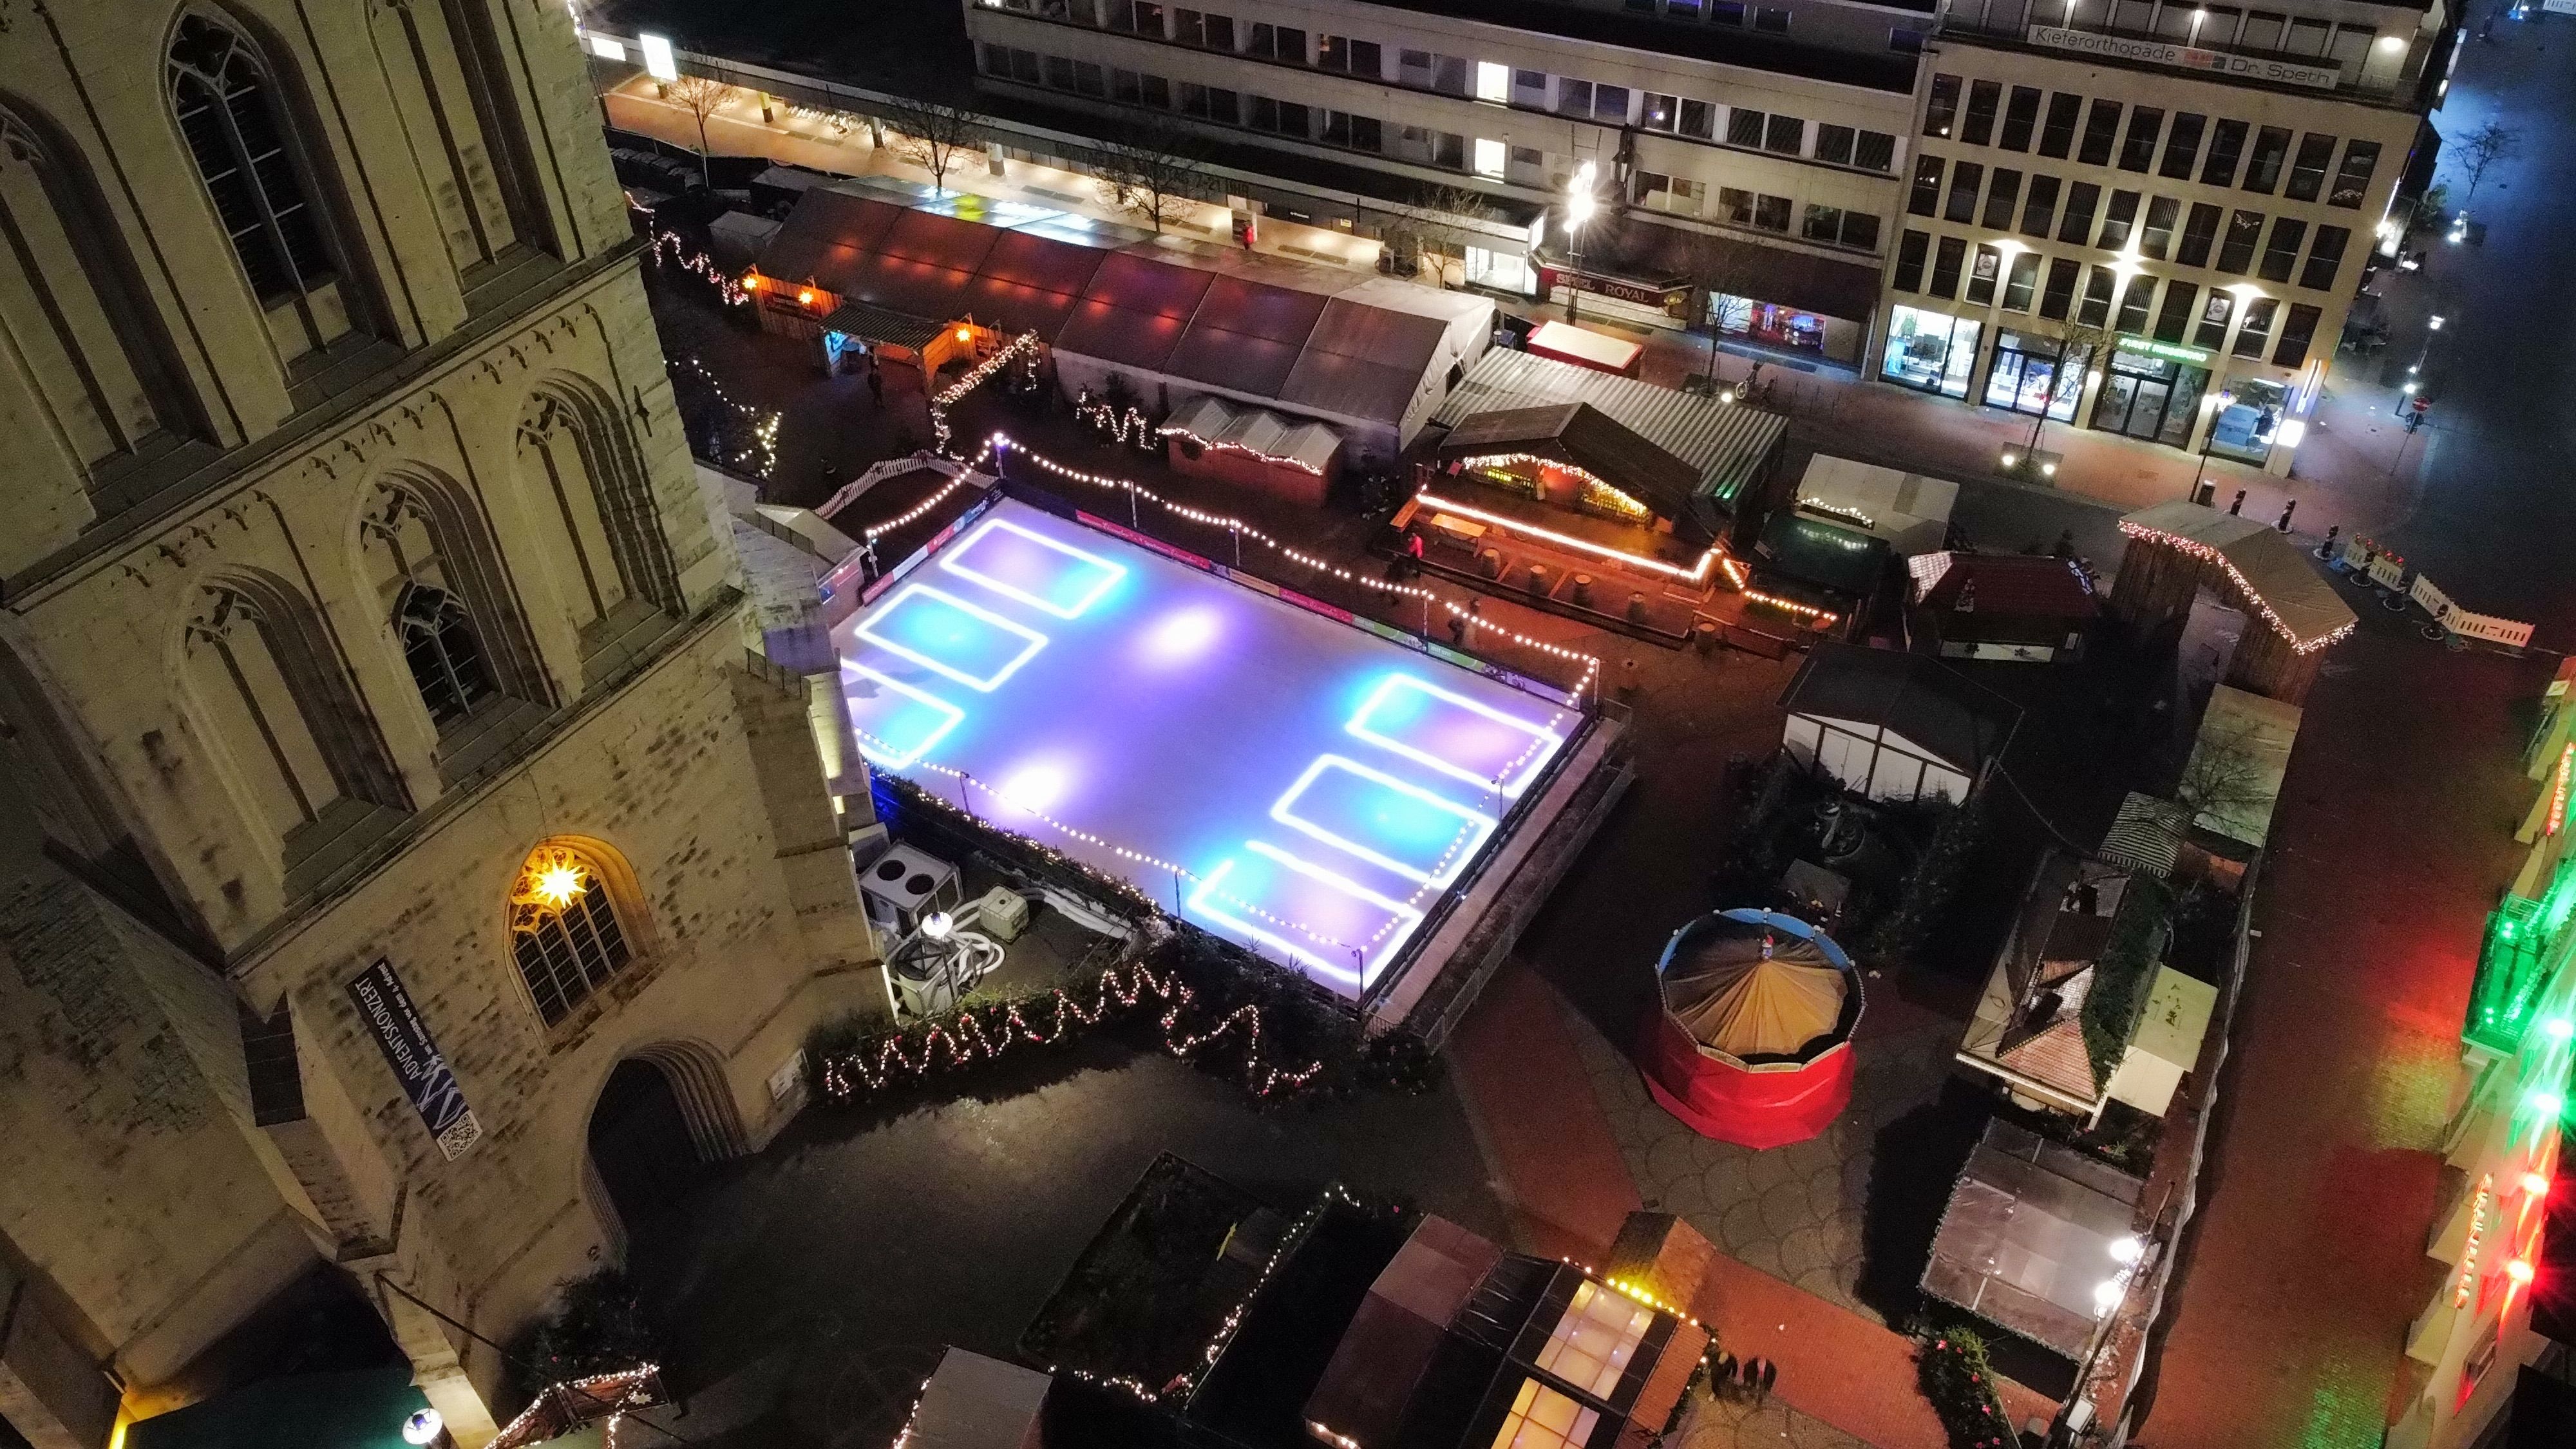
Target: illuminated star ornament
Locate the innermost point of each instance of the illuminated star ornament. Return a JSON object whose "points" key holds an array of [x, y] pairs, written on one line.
{"points": [[559, 883]]}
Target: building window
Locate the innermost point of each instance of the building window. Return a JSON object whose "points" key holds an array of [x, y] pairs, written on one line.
{"points": [[2040, 207], [1834, 143], [2062, 274], [1278, 42], [2076, 225], [438, 644], [1193, 27], [1059, 72], [1905, 40], [2057, 134], [2296, 334], [1911, 249], [238, 133], [2099, 286], [2021, 281], [1985, 98], [1363, 133], [2226, 146], [2199, 232], [2182, 145], [2002, 195], [2157, 238], [1743, 127], [1573, 97], [1354, 57], [2281, 254], [1489, 158], [2325, 258], [1941, 112], [1965, 180], [2214, 313], [1949, 255], [2122, 215], [1140, 17], [1860, 230], [2137, 153], [1725, 12], [2308, 169], [1493, 82], [2352, 178], [2236, 252], [1610, 103], [564, 932], [2021, 115], [1210, 103], [2257, 327], [1876, 151], [1774, 19], [2135, 301], [1529, 88], [1660, 112], [1983, 273], [1699, 118], [2175, 316], [1823, 224], [1786, 135], [2101, 128], [2271, 148]]}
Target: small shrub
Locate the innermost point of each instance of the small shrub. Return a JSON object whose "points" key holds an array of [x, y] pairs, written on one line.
{"points": [[2123, 973], [1927, 889], [599, 1327], [1952, 1369]]}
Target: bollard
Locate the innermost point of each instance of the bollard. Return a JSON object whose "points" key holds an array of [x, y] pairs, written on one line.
{"points": [[1636, 608], [1490, 563], [1583, 589], [1538, 579], [1704, 637]]}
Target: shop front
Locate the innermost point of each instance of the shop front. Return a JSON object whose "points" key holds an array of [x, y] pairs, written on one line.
{"points": [[2248, 421], [1783, 329], [2152, 390], [2031, 376], [1797, 303], [1930, 351]]}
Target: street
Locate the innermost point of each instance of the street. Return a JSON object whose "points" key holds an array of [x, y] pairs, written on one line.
{"points": [[2393, 839]]}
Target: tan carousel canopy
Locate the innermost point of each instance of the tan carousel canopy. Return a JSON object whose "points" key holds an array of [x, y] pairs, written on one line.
{"points": [[1755, 993]]}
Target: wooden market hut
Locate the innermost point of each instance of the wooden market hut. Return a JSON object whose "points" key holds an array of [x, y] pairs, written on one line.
{"points": [[2177, 549], [1576, 456]]}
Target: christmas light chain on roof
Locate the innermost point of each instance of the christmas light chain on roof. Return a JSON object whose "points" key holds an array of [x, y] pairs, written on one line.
{"points": [[1626, 500], [876, 531], [1837, 510], [1696, 574], [1228, 445], [1130, 427], [665, 245], [2193, 548], [636, 1381], [1824, 618], [764, 430], [972, 379]]}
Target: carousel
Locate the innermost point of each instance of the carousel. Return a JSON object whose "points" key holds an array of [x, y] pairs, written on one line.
{"points": [[1751, 1043]]}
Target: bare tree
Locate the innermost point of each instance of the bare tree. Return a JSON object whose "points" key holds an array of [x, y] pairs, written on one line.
{"points": [[701, 96], [2078, 344], [2495, 141], [1158, 173], [1715, 268], [931, 135], [1440, 221], [2225, 778]]}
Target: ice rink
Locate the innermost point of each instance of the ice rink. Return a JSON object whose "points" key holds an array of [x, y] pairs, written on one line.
{"points": [[1285, 779]]}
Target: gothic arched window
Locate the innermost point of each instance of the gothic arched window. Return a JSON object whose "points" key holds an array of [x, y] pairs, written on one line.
{"points": [[241, 135], [446, 661], [564, 932]]}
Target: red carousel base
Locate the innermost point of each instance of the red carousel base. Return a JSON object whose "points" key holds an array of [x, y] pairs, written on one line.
{"points": [[1766, 1106]]}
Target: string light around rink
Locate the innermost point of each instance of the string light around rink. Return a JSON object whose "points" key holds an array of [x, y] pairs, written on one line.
{"points": [[764, 428]]}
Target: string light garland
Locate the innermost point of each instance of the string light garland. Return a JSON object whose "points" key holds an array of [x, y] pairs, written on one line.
{"points": [[2195, 549], [1130, 427], [635, 1389], [665, 245], [1618, 499], [1228, 445], [875, 531], [1695, 574], [1822, 618], [971, 379], [764, 427], [1838, 510]]}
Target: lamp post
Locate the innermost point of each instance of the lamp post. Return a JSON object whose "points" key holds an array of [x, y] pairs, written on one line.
{"points": [[1578, 210], [2226, 399]]}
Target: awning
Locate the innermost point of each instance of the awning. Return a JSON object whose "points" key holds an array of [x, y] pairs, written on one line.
{"points": [[877, 325], [1630, 246]]}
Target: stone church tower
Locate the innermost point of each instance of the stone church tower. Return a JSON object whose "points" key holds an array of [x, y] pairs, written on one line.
{"points": [[380, 762]]}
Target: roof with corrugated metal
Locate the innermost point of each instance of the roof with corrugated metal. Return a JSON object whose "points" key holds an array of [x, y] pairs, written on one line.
{"points": [[880, 324], [1587, 438], [1725, 443]]}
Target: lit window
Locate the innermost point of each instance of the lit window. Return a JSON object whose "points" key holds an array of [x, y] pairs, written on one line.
{"points": [[1489, 157], [1493, 82], [564, 934], [1542, 1418], [1592, 1343]]}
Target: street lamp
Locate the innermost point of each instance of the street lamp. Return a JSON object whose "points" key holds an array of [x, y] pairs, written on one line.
{"points": [[1578, 210], [2225, 400]]}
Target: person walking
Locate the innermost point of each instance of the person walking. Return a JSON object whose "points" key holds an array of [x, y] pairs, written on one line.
{"points": [[1770, 1376], [876, 381]]}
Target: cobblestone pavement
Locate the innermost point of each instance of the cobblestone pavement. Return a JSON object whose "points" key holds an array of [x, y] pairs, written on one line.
{"points": [[1734, 1423], [1799, 1212]]}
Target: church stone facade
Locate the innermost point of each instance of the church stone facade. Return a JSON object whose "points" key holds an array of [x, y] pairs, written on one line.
{"points": [[381, 764]]}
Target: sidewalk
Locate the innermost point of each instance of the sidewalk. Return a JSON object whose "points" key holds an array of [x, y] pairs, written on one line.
{"points": [[1568, 1189]]}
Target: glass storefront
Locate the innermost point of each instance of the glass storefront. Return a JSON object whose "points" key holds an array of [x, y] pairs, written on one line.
{"points": [[1930, 350], [1502, 271], [2150, 397], [2248, 419], [1772, 326], [2025, 378]]}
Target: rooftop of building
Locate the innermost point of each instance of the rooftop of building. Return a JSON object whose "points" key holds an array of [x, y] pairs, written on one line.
{"points": [[1661, 35]]}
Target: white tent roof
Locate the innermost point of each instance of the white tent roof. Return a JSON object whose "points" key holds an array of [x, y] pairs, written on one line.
{"points": [[1222, 424], [1910, 511], [2261, 731], [974, 1402]]}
